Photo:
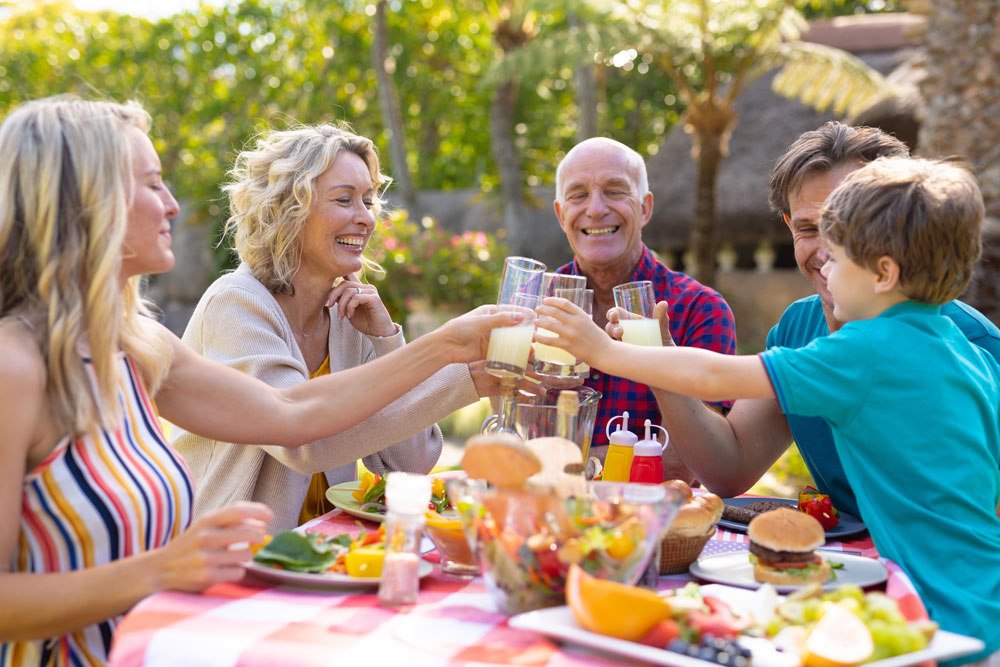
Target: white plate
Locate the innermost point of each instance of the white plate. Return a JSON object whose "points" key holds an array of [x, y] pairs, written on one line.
{"points": [[340, 497], [322, 579], [558, 622], [734, 568]]}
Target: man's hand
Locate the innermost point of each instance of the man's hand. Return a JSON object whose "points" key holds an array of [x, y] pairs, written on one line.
{"points": [[661, 313]]}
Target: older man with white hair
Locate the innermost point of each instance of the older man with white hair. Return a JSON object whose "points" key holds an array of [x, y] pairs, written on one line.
{"points": [[602, 203]]}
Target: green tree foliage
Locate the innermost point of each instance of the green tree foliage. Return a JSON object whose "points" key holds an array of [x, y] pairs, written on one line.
{"points": [[214, 77], [712, 50]]}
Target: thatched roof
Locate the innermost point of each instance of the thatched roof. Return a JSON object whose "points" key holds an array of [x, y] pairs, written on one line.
{"points": [[767, 124]]}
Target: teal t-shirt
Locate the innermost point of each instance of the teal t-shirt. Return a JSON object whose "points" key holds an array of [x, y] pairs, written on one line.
{"points": [[912, 405], [802, 323]]}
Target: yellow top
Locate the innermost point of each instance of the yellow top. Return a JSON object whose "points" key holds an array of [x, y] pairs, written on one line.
{"points": [[316, 503]]}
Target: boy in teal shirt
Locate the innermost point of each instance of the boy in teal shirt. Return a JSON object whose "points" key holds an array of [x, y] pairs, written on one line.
{"points": [[911, 403]]}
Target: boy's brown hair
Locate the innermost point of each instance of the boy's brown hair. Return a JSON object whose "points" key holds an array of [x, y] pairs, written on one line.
{"points": [[925, 214]]}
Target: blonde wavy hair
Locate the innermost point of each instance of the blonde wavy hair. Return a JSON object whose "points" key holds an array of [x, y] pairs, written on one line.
{"points": [[65, 182], [271, 191]]}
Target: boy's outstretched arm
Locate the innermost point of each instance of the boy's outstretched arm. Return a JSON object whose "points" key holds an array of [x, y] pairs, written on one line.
{"points": [[706, 375]]}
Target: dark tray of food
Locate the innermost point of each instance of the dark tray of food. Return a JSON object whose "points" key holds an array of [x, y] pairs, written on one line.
{"points": [[738, 511]]}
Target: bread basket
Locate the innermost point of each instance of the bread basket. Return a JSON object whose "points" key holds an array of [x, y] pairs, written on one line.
{"points": [[677, 553], [691, 530]]}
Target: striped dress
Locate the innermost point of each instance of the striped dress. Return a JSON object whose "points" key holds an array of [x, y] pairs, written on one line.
{"points": [[94, 499]]}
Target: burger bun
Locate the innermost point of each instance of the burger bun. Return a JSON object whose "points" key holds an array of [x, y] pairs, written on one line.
{"points": [[818, 573], [786, 529]]}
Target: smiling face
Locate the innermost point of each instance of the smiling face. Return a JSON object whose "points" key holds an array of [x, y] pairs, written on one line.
{"points": [[851, 286], [340, 221], [601, 210], [146, 248], [805, 205]]}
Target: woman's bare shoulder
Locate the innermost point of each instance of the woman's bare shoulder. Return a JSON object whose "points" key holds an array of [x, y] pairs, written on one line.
{"points": [[23, 363]]}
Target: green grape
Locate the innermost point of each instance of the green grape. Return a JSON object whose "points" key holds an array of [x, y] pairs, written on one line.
{"points": [[811, 610], [915, 638], [847, 591], [775, 625], [793, 611], [854, 605], [893, 637], [880, 653], [881, 606]]}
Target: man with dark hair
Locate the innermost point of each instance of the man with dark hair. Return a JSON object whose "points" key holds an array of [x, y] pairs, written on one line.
{"points": [[728, 454]]}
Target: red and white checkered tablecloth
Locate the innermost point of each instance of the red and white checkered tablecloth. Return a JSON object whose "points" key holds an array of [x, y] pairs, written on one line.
{"points": [[455, 622]]}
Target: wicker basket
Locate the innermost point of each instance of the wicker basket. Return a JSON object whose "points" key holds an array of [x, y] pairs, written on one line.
{"points": [[677, 553]]}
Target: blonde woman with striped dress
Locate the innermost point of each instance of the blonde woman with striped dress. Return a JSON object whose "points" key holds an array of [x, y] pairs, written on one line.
{"points": [[95, 506]]}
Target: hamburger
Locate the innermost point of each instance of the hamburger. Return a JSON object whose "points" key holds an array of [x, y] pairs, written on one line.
{"points": [[782, 544]]}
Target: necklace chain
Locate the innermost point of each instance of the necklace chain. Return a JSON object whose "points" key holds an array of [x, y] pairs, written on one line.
{"points": [[301, 331]]}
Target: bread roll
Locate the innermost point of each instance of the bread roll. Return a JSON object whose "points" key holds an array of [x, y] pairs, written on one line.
{"points": [[692, 520], [681, 486], [697, 516], [713, 504]]}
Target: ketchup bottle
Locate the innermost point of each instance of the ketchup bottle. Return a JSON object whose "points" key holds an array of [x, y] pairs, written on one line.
{"points": [[647, 461], [618, 460]]}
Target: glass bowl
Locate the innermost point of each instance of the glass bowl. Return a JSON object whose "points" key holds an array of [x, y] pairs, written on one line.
{"points": [[525, 542], [457, 559]]}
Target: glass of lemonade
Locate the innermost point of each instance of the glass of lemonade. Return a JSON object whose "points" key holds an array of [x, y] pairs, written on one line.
{"points": [[582, 369], [550, 360], [510, 347], [520, 289], [635, 303]]}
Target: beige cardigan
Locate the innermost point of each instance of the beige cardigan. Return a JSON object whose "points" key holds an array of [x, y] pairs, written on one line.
{"points": [[238, 323]]}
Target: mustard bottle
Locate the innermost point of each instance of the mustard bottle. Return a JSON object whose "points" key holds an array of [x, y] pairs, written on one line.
{"points": [[618, 460]]}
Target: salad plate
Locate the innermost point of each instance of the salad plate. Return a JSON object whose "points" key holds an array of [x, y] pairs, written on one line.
{"points": [[322, 579], [734, 568], [849, 524], [558, 623], [340, 497]]}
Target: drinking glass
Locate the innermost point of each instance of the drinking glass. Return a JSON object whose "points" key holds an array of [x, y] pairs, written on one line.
{"points": [[550, 360], [582, 370], [635, 303], [509, 349]]}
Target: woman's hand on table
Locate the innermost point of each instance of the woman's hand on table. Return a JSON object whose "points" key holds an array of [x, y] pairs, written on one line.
{"points": [[214, 548], [361, 304]]}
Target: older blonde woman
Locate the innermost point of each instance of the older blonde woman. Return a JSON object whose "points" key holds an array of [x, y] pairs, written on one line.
{"points": [[304, 205], [95, 506]]}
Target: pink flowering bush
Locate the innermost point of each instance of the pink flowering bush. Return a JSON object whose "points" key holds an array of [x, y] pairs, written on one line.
{"points": [[424, 263]]}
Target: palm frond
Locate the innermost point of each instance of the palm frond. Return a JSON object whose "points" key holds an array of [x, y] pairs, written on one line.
{"points": [[554, 50], [822, 77]]}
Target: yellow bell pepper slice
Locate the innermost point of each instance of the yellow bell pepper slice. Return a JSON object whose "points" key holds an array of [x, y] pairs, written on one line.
{"points": [[365, 561]]}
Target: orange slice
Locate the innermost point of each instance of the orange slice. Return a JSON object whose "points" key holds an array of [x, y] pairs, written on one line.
{"points": [[840, 639], [613, 609]]}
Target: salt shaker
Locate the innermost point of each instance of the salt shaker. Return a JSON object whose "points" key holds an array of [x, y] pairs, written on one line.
{"points": [[406, 498]]}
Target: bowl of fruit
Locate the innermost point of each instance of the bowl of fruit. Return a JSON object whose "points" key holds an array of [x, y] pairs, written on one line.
{"points": [[525, 541]]}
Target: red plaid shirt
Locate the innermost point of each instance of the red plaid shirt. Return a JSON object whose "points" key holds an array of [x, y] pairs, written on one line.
{"points": [[699, 317]]}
